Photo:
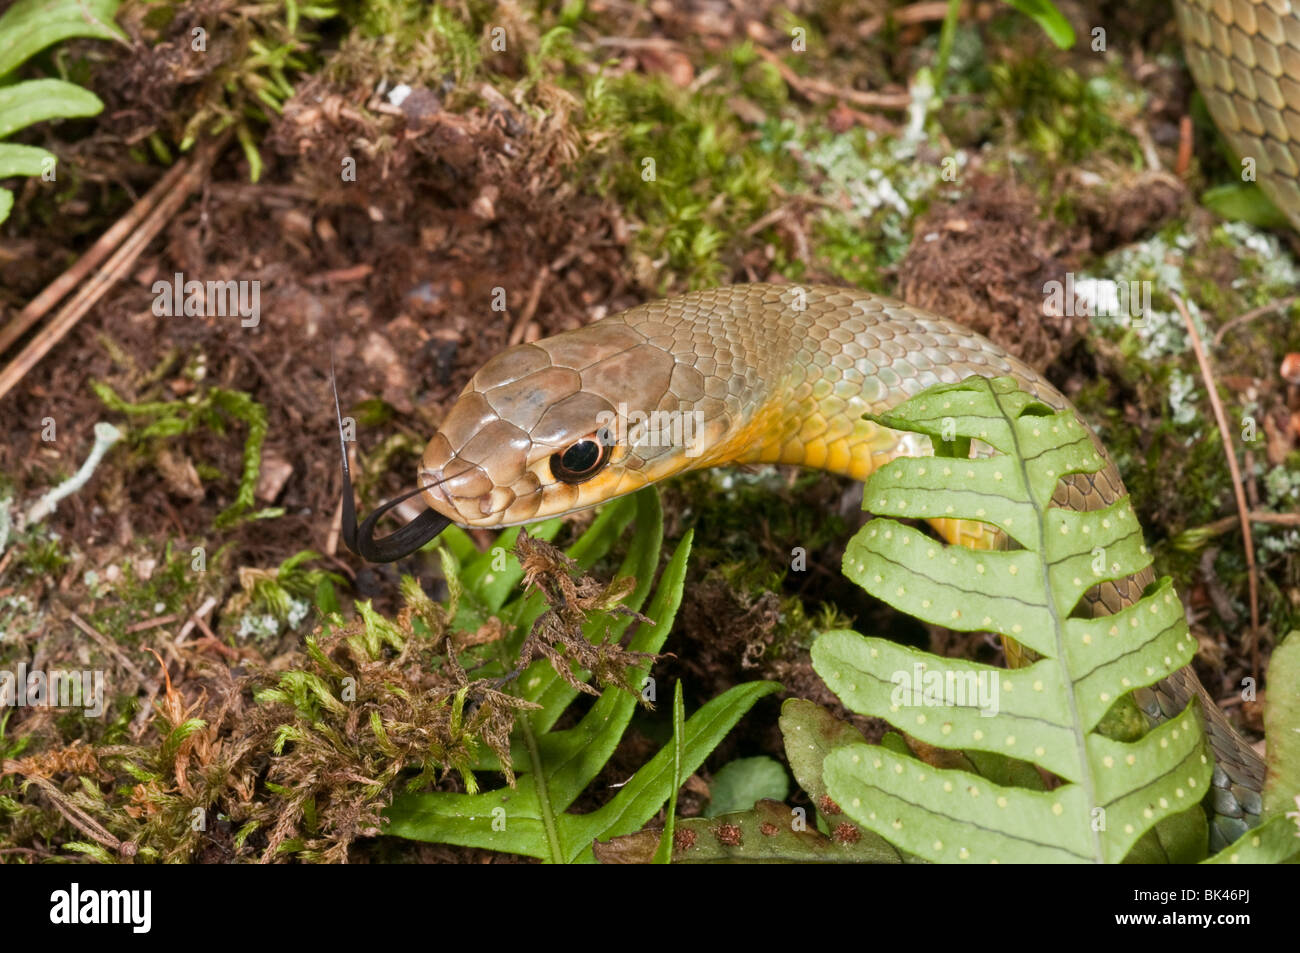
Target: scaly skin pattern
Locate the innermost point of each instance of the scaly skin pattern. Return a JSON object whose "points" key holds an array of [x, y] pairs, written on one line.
{"points": [[768, 374], [1245, 57]]}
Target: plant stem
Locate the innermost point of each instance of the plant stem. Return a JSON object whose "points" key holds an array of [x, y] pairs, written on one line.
{"points": [[543, 794], [946, 35], [525, 725]]}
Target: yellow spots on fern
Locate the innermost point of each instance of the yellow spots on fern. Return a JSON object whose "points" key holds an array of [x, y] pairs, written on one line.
{"points": [[1002, 802], [1108, 761], [1013, 569], [1130, 760], [946, 728], [1010, 741], [977, 735], [1057, 809], [1038, 685], [938, 845]]}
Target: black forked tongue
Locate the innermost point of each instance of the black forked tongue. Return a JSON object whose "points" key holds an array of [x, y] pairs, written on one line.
{"points": [[361, 539]]}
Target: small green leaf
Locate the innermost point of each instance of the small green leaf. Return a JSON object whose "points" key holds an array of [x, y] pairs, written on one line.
{"points": [[29, 26], [1053, 22], [18, 159], [1244, 202], [810, 733], [37, 100], [740, 784]]}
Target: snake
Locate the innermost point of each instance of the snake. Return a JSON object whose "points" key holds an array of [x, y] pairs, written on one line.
{"points": [[784, 374]]}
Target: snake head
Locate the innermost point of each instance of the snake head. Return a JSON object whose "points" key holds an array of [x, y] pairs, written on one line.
{"points": [[557, 426]]}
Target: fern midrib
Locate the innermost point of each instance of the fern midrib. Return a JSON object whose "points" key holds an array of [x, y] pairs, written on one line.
{"points": [[1058, 633], [544, 807]]}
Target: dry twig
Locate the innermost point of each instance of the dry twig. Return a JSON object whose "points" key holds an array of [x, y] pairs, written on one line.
{"points": [[1238, 487]]}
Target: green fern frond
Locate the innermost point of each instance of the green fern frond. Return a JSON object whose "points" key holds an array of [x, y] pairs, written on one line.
{"points": [[1048, 714], [26, 28]]}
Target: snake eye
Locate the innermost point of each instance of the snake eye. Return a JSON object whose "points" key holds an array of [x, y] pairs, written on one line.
{"points": [[580, 461]]}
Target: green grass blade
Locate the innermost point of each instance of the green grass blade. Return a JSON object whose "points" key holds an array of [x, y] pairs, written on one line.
{"points": [[639, 799]]}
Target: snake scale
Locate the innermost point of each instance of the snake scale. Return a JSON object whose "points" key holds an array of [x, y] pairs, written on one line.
{"points": [[762, 373]]}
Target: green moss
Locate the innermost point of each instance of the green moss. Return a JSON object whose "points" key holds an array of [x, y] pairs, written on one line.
{"points": [[1061, 115], [129, 599], [685, 165]]}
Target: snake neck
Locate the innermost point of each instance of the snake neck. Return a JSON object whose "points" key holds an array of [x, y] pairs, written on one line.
{"points": [[830, 355]]}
